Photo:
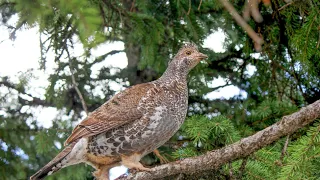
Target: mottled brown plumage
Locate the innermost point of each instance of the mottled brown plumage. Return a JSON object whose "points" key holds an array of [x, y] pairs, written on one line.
{"points": [[132, 124]]}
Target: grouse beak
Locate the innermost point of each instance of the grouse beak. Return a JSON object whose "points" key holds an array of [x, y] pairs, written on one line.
{"points": [[201, 56]]}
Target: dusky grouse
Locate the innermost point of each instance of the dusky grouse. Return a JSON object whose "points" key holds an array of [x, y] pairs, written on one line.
{"points": [[131, 124]]}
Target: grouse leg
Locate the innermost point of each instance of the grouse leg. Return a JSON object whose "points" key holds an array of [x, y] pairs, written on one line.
{"points": [[163, 160], [132, 162]]}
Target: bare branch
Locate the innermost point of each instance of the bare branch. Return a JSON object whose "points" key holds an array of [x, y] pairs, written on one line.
{"points": [[34, 101], [284, 150], [243, 148], [189, 8], [103, 57], [75, 85], [255, 13], [319, 38], [252, 7], [246, 11], [103, 15], [199, 5], [284, 6], [233, 12], [222, 86]]}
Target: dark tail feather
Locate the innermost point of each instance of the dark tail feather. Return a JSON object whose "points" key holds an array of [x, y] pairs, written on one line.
{"points": [[51, 166]]}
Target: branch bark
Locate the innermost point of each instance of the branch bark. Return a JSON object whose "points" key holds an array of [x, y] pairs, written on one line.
{"points": [[243, 148]]}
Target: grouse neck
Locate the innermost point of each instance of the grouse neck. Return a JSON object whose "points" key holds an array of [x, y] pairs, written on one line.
{"points": [[175, 72]]}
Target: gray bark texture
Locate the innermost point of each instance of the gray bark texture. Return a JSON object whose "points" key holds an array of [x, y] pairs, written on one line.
{"points": [[214, 159]]}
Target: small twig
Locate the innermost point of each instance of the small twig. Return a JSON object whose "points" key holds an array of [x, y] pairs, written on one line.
{"points": [[103, 57], [15, 29], [189, 7], [163, 160], [230, 170], [255, 13], [3, 41], [132, 6], [199, 5], [284, 6], [246, 11], [242, 167], [75, 85], [319, 38], [222, 86], [103, 15], [307, 36], [252, 34], [284, 150]]}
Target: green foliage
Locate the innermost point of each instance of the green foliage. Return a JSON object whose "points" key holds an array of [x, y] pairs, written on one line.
{"points": [[269, 112], [184, 152], [263, 164], [210, 132], [205, 134], [44, 142], [149, 32], [286, 78], [303, 160]]}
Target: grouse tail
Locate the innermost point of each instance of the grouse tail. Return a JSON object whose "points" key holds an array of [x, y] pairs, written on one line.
{"points": [[54, 165]]}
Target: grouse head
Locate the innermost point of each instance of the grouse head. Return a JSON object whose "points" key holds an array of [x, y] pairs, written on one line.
{"points": [[188, 57]]}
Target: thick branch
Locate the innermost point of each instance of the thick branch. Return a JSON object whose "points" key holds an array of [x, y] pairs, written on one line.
{"points": [[243, 148]]}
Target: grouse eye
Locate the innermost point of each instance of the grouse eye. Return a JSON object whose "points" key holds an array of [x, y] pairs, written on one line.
{"points": [[188, 53]]}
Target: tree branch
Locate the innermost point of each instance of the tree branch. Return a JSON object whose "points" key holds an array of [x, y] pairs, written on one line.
{"points": [[222, 86], [75, 86], [243, 148], [284, 150], [103, 57], [233, 12], [35, 100]]}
